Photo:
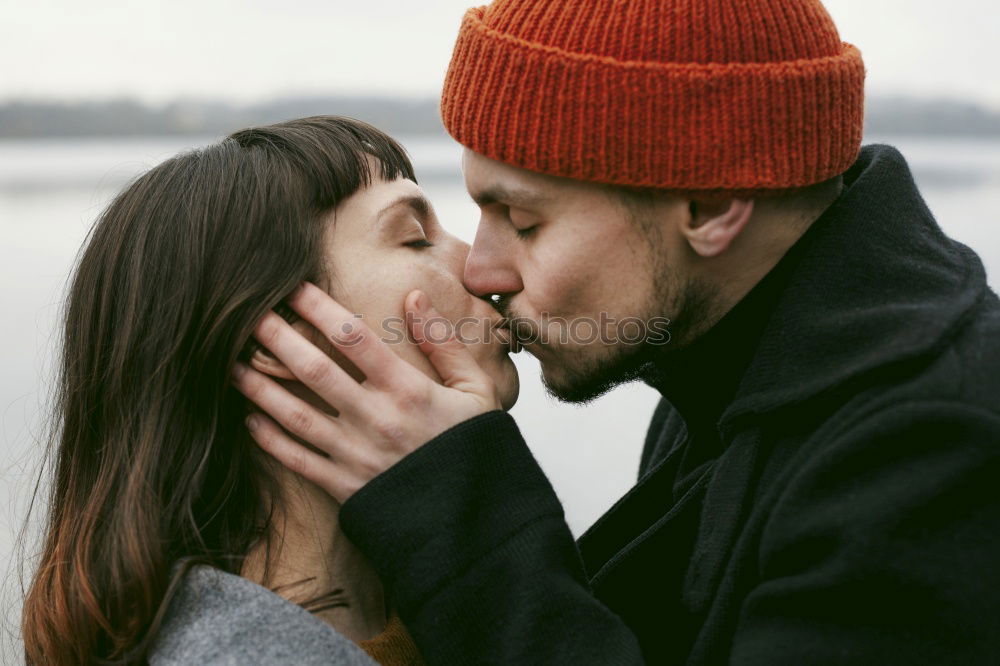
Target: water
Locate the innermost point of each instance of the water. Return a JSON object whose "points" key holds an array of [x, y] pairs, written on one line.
{"points": [[51, 191]]}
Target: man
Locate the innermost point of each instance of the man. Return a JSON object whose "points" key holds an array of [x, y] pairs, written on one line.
{"points": [[818, 484]]}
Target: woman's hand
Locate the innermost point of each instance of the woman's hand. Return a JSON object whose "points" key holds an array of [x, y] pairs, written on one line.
{"points": [[391, 413]]}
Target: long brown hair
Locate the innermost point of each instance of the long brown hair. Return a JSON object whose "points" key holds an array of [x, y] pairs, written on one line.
{"points": [[151, 465]]}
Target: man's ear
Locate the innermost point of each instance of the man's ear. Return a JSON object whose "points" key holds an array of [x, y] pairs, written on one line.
{"points": [[713, 225]]}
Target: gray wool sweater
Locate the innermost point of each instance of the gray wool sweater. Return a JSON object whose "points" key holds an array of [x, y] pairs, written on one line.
{"points": [[219, 618]]}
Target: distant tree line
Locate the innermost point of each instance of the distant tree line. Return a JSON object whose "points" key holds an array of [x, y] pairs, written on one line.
{"points": [[130, 118], [901, 115], [885, 116]]}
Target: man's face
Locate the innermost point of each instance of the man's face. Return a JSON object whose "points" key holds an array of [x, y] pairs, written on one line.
{"points": [[586, 285]]}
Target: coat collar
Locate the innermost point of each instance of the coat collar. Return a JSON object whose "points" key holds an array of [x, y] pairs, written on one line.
{"points": [[875, 281]]}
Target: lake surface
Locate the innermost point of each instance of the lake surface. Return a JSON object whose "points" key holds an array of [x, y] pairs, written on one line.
{"points": [[52, 190]]}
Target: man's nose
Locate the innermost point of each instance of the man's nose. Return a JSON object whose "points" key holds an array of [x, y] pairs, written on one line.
{"points": [[490, 267]]}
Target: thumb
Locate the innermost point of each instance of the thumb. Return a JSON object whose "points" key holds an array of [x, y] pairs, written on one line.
{"points": [[435, 335]]}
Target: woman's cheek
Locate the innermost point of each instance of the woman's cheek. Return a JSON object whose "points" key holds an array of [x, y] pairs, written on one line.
{"points": [[447, 294], [380, 298]]}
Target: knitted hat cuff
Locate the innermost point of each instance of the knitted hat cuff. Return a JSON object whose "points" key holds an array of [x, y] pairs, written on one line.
{"points": [[678, 126]]}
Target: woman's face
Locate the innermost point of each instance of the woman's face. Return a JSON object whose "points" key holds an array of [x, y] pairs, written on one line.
{"points": [[385, 241]]}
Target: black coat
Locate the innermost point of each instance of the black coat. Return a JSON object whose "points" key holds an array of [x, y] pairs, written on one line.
{"points": [[851, 515]]}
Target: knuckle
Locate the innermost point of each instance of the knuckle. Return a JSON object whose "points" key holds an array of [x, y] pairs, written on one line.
{"points": [[409, 396], [388, 430], [316, 370], [300, 421], [297, 461]]}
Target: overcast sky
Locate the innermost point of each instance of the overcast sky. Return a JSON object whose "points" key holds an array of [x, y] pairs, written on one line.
{"points": [[248, 50]]}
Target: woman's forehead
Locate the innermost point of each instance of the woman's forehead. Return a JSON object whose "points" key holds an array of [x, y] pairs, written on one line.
{"points": [[370, 201]]}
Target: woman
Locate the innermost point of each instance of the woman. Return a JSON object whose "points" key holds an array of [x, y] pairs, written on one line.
{"points": [[173, 538]]}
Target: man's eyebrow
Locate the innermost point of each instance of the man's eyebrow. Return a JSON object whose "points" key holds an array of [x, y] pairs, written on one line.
{"points": [[418, 202], [518, 198]]}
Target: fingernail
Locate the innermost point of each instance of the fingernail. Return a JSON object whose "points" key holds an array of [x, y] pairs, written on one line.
{"points": [[422, 301], [252, 422], [239, 370]]}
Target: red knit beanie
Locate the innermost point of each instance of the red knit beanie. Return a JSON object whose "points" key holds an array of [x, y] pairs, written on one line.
{"points": [[673, 94]]}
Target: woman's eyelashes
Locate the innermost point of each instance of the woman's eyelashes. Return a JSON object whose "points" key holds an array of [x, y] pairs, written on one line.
{"points": [[419, 240], [414, 233]]}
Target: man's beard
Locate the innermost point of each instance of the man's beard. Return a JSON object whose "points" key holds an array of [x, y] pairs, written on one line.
{"points": [[578, 380], [590, 379]]}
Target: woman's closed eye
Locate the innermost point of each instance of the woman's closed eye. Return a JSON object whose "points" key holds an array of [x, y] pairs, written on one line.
{"points": [[412, 233]]}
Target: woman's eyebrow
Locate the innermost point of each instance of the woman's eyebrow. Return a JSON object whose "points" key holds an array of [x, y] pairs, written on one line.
{"points": [[417, 202]]}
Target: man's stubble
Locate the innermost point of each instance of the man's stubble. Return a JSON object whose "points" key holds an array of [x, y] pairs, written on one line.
{"points": [[576, 378]]}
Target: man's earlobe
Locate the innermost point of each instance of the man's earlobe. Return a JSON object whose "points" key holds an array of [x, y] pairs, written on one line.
{"points": [[713, 226]]}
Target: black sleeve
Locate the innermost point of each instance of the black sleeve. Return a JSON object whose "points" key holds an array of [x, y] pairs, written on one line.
{"points": [[471, 544], [884, 548]]}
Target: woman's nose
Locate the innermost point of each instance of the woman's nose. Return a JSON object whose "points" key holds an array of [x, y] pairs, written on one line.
{"points": [[457, 256]]}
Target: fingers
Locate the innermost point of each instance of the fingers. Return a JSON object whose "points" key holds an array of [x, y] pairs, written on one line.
{"points": [[310, 365], [348, 334], [295, 414], [292, 455], [434, 335]]}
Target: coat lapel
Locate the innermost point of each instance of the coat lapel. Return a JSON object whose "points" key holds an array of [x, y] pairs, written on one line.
{"points": [[728, 499], [638, 553]]}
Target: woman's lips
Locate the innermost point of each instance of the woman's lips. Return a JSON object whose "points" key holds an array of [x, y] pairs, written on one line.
{"points": [[509, 339]]}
